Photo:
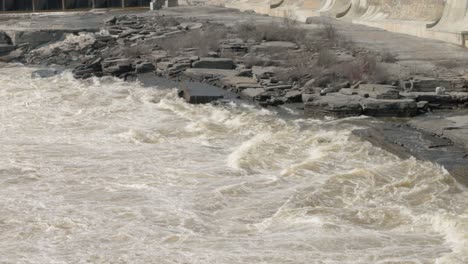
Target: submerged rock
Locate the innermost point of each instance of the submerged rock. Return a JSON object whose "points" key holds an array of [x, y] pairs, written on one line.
{"points": [[45, 73], [406, 142]]}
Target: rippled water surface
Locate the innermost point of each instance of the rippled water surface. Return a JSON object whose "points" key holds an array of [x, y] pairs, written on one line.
{"points": [[102, 171]]}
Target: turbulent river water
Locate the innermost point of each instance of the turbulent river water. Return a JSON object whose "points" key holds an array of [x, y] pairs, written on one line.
{"points": [[102, 171]]}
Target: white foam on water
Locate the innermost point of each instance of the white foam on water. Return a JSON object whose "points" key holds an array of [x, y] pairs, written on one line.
{"points": [[103, 171]]}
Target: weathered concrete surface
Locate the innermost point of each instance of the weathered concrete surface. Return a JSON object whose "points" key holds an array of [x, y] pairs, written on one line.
{"points": [[444, 20]]}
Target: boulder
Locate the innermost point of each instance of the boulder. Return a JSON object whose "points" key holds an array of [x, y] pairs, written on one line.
{"points": [[293, 96], [239, 82], [92, 68], [252, 93], [144, 66], [45, 73], [214, 63], [200, 93], [335, 105], [116, 66], [389, 108]]}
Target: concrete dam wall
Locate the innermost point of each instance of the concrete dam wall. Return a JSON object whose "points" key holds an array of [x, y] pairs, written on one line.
{"points": [[39, 5], [445, 20]]}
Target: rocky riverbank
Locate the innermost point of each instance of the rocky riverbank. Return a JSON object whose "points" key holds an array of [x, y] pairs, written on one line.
{"points": [[270, 62]]}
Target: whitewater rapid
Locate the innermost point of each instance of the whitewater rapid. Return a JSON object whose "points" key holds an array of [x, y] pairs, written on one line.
{"points": [[103, 171]]}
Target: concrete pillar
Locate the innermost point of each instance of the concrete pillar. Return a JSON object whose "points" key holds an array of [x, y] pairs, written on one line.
{"points": [[63, 4], [34, 5], [3, 5], [123, 3]]}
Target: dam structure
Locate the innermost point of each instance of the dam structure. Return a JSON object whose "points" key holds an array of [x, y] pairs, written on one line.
{"points": [[54, 5], [445, 20]]}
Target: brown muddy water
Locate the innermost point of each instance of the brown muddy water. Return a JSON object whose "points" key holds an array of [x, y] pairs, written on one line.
{"points": [[102, 171]]}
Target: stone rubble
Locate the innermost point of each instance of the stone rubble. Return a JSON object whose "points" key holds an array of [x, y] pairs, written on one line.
{"points": [[130, 45]]}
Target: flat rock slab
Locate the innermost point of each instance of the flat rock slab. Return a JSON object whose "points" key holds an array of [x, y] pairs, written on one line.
{"points": [[200, 93], [214, 63], [202, 73], [427, 84], [240, 82], [454, 128], [269, 45], [252, 93], [335, 105], [450, 98], [340, 105], [404, 142], [389, 108]]}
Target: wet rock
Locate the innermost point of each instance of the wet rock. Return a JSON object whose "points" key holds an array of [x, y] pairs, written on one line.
{"points": [[36, 38], [308, 97], [334, 105], [453, 127], [240, 83], [110, 21], [45, 73], [89, 69], [293, 96], [200, 93], [422, 105], [214, 63], [201, 73], [15, 55], [5, 39], [253, 93], [406, 142], [389, 108], [5, 49], [144, 66], [116, 66]]}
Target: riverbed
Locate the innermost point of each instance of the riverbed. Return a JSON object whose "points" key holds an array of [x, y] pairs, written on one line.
{"points": [[104, 171]]}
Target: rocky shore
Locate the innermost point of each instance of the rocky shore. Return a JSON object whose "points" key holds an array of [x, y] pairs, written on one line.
{"points": [[269, 61]]}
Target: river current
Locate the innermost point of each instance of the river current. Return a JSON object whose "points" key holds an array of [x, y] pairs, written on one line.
{"points": [[103, 171]]}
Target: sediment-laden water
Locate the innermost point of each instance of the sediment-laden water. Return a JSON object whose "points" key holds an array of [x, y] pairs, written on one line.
{"points": [[102, 171]]}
